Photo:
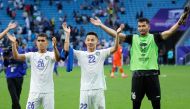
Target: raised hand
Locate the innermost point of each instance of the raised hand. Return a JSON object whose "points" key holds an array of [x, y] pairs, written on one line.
{"points": [[65, 28], [12, 25], [96, 21], [184, 16], [11, 38], [54, 41], [120, 29]]}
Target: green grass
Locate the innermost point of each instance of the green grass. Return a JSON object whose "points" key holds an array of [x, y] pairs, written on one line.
{"points": [[174, 86]]}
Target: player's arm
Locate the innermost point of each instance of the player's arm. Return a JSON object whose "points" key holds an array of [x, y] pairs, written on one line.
{"points": [[16, 55], [166, 34], [56, 52], [116, 44], [111, 32], [67, 31], [9, 27]]}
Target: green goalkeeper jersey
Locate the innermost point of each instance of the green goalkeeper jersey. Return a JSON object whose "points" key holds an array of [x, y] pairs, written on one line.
{"points": [[144, 53]]}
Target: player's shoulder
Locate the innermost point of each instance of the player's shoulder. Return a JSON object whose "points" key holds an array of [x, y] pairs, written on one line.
{"points": [[104, 51], [29, 53], [49, 52], [78, 51]]}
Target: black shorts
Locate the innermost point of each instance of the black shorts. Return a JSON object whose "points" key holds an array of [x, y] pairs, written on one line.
{"points": [[145, 84]]}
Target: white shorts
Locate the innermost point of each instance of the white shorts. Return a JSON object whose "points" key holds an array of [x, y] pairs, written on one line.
{"points": [[92, 99], [36, 99]]}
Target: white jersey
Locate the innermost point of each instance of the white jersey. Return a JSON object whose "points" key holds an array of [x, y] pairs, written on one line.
{"points": [[92, 68], [42, 65]]}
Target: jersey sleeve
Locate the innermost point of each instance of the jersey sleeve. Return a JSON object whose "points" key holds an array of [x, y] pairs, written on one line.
{"points": [[106, 52], [52, 56], [128, 39], [28, 55], [76, 53]]}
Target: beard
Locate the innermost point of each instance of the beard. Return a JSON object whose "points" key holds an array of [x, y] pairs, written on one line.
{"points": [[143, 32]]}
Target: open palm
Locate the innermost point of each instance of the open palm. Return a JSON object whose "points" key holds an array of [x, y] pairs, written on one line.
{"points": [[96, 21], [12, 25], [120, 29], [65, 28], [54, 41]]}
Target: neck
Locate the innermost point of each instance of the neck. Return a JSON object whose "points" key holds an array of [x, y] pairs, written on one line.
{"points": [[144, 34], [91, 49], [42, 51]]}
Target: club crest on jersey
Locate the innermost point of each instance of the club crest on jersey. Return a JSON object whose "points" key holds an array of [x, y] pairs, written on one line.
{"points": [[97, 53], [133, 95], [47, 57], [40, 64]]}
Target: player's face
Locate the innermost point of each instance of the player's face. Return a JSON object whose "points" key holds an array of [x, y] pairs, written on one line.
{"points": [[143, 28], [91, 41], [42, 43]]}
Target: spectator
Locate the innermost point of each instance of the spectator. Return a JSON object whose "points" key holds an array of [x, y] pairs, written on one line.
{"points": [[50, 2], [1, 4], [13, 14], [59, 7], [82, 31], [122, 8], [170, 56], [161, 57], [15, 70], [141, 14]]}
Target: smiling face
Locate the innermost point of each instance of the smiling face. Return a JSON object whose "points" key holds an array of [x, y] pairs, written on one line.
{"points": [[42, 43], [143, 26], [91, 42]]}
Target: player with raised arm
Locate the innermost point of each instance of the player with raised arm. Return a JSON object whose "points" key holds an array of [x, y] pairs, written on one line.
{"points": [[42, 64], [15, 71], [144, 58], [92, 69]]}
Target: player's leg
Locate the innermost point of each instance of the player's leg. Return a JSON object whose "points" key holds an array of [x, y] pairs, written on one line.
{"points": [[123, 75], [137, 91], [19, 86], [34, 101], [11, 83], [153, 91], [113, 71], [99, 99], [85, 100], [48, 100], [155, 104]]}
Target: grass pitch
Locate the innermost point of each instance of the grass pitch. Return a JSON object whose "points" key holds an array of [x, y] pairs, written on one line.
{"points": [[174, 82]]}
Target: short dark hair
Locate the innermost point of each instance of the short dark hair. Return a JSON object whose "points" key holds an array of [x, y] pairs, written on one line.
{"points": [[92, 33], [144, 20], [42, 35]]}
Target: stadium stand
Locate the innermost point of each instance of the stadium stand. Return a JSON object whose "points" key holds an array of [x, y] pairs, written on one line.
{"points": [[34, 16]]}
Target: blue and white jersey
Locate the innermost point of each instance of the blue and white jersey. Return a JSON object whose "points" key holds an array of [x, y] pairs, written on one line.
{"points": [[42, 65], [15, 68], [92, 68]]}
